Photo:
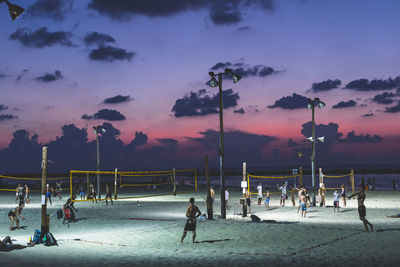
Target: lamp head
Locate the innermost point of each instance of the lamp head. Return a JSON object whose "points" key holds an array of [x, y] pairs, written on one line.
{"points": [[309, 103], [212, 74], [321, 104], [14, 10], [236, 78], [213, 82], [321, 139], [310, 139]]}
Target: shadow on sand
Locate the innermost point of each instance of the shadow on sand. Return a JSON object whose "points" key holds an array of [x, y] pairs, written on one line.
{"points": [[213, 241]]}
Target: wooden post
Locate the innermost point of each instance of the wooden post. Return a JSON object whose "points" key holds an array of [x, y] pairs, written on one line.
{"points": [[209, 205], [301, 176], [87, 184], [353, 189], [44, 222], [115, 183], [244, 179], [174, 177]]}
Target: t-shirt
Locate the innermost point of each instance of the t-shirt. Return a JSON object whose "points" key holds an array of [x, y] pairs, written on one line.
{"points": [[335, 196], [259, 190], [283, 190], [226, 195]]}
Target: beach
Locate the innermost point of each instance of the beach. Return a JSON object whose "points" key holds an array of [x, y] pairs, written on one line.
{"points": [[128, 234]]}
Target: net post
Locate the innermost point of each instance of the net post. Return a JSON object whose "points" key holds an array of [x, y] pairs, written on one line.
{"points": [[115, 183], [174, 180], [301, 176], [353, 190], [244, 179], [87, 183], [248, 184]]}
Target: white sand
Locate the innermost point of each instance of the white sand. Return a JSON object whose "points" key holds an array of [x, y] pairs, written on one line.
{"points": [[324, 238]]}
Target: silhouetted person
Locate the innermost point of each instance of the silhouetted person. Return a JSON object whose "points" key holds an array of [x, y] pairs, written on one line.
{"points": [[192, 213]]}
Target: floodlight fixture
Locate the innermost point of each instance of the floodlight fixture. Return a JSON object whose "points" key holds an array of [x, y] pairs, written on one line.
{"points": [[321, 104], [14, 10], [309, 103], [310, 139], [321, 139]]}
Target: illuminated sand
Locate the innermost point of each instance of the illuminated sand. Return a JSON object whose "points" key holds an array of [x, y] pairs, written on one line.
{"points": [[108, 237]]}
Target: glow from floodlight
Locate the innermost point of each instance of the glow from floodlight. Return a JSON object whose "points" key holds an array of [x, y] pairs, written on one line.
{"points": [[321, 139], [310, 139]]}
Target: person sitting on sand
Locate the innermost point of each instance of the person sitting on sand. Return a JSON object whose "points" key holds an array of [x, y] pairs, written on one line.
{"points": [[6, 244], [361, 208], [14, 214], [70, 206], [303, 204], [393, 216], [335, 201], [192, 213]]}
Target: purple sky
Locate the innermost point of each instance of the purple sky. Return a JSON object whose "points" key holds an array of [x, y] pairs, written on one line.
{"points": [[141, 67]]}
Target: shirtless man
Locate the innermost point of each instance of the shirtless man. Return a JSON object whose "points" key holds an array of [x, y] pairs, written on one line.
{"points": [[192, 213], [14, 214], [303, 204], [302, 189], [322, 193], [212, 193], [248, 199], [361, 208]]}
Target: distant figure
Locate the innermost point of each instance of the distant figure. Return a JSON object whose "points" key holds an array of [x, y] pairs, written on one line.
{"points": [[92, 193], [362, 182], [373, 184], [248, 199], [343, 194], [69, 210], [27, 201], [301, 190], [212, 193], [108, 194], [283, 195], [226, 198], [369, 183], [322, 193], [58, 190], [394, 185], [361, 208], [292, 195], [82, 191], [14, 214], [49, 190], [19, 195], [259, 193], [267, 197], [335, 201], [192, 213], [303, 204]]}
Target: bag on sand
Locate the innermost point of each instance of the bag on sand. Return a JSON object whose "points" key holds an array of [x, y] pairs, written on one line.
{"points": [[254, 218], [59, 214], [49, 240], [36, 237]]}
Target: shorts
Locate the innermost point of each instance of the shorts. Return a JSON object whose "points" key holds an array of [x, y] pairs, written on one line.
{"points": [[248, 201], [336, 204], [362, 212], [299, 201], [343, 195], [303, 206], [82, 194], [11, 214], [190, 225], [267, 201], [48, 195], [398, 215], [283, 196]]}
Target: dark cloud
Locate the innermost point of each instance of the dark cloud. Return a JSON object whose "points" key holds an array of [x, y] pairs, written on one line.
{"points": [[2, 76], [117, 99], [326, 85], [370, 114], [105, 114], [41, 37], [367, 138], [345, 104], [200, 104], [244, 70], [110, 53], [291, 102], [3, 107], [239, 111], [54, 9], [99, 39], [21, 75], [222, 12], [48, 77], [393, 109], [384, 98], [4, 117], [292, 143], [373, 85]]}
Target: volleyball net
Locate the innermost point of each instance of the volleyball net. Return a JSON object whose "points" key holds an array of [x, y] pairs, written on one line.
{"points": [[132, 184], [334, 182], [9, 183], [270, 182]]}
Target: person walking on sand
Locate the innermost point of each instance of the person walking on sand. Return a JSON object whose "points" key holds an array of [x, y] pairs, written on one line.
{"points": [[248, 199], [361, 208], [343, 194], [27, 201], [226, 198], [267, 197], [322, 193], [283, 195], [192, 213], [335, 201], [48, 193], [14, 214], [108, 195], [259, 193], [82, 191], [303, 204]]}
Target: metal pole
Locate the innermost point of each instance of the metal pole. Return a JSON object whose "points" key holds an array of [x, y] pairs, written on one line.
{"points": [[98, 165], [313, 154], [221, 148], [44, 224]]}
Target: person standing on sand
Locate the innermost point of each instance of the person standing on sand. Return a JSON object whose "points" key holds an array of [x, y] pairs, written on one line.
{"points": [[267, 197], [192, 213], [248, 199], [283, 195], [335, 201], [226, 198], [49, 190], [27, 201], [361, 208], [58, 190], [14, 214], [108, 194], [302, 188], [303, 204], [259, 193], [292, 197], [322, 193], [212, 194]]}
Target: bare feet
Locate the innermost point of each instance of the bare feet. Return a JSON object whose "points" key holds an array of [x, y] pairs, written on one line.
{"points": [[372, 227]]}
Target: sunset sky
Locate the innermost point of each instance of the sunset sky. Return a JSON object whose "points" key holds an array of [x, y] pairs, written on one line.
{"points": [[141, 67]]}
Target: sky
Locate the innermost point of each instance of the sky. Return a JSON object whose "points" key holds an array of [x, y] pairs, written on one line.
{"points": [[140, 69]]}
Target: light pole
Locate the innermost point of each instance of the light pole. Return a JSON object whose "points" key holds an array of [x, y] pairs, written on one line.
{"points": [[96, 131], [213, 83], [14, 10], [311, 105]]}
